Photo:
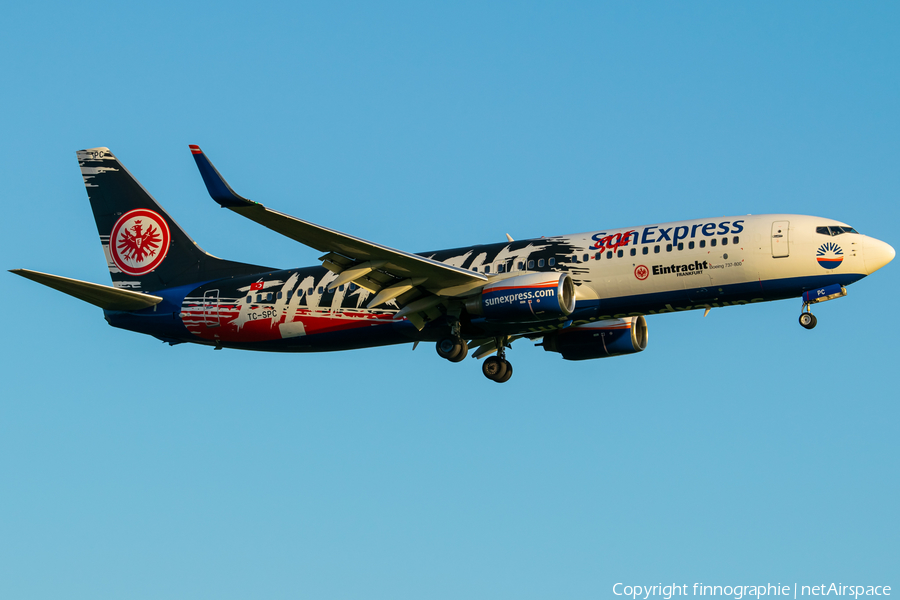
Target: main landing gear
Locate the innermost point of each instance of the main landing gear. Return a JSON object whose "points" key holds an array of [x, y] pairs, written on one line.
{"points": [[497, 368], [453, 349], [807, 319]]}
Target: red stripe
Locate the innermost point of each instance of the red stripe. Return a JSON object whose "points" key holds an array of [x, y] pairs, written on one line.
{"points": [[522, 287]]}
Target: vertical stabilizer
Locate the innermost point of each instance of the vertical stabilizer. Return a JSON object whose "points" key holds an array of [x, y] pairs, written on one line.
{"points": [[145, 248]]}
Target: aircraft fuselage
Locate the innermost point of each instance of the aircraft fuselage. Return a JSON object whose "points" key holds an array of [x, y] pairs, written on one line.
{"points": [[618, 273]]}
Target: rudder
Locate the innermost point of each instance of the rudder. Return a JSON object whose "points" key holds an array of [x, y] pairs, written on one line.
{"points": [[145, 248]]}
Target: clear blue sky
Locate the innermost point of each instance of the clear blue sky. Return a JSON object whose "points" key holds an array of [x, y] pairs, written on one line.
{"points": [[738, 449]]}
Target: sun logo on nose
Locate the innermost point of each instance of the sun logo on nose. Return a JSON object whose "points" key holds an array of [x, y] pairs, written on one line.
{"points": [[829, 255]]}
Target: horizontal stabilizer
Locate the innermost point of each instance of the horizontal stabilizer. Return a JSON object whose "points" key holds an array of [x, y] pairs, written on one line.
{"points": [[104, 296]]}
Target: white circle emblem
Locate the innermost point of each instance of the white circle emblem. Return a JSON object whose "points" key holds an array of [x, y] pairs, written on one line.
{"points": [[139, 241]]}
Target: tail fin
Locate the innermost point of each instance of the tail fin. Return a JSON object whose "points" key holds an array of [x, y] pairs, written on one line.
{"points": [[145, 248]]}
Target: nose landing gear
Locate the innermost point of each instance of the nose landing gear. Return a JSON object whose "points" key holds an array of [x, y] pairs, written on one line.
{"points": [[829, 292]]}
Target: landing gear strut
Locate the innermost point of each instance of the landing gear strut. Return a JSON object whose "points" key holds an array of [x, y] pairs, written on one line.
{"points": [[807, 319], [497, 368], [453, 347]]}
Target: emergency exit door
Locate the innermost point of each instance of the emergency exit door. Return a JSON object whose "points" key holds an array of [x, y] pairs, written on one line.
{"points": [[780, 239]]}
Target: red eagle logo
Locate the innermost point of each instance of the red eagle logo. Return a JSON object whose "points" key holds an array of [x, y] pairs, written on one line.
{"points": [[641, 272], [136, 244], [139, 241]]}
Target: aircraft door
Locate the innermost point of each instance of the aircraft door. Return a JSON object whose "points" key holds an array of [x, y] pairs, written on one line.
{"points": [[211, 308], [780, 240]]}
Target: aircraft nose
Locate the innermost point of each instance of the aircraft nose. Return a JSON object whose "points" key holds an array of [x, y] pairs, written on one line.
{"points": [[877, 254]]}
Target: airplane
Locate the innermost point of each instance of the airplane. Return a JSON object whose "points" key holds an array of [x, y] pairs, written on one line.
{"points": [[584, 295]]}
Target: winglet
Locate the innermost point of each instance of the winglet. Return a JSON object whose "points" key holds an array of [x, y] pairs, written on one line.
{"points": [[218, 188]]}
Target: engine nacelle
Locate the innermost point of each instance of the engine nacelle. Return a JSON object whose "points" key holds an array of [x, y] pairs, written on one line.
{"points": [[612, 337], [524, 298]]}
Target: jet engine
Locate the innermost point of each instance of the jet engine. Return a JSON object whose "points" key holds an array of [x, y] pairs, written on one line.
{"points": [[524, 298], [612, 337]]}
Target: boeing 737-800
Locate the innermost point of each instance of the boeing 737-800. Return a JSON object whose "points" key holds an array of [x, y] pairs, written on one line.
{"points": [[583, 295]]}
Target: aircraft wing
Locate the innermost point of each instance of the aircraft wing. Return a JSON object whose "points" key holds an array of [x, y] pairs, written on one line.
{"points": [[387, 272]]}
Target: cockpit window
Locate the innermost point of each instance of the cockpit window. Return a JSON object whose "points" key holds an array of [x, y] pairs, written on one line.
{"points": [[833, 230]]}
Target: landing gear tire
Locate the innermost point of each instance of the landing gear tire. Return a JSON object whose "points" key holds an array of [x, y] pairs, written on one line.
{"points": [[463, 351], [808, 320], [509, 371], [452, 348], [496, 369]]}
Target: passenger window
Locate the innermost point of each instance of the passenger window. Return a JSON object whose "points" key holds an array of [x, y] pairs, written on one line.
{"points": [[634, 251], [269, 297], [668, 247], [620, 253], [487, 268], [540, 262], [712, 243], [321, 289], [352, 287], [341, 288], [573, 259], [703, 243], [249, 299], [501, 268], [724, 241], [475, 269], [279, 295], [259, 298], [530, 264], [690, 245], [587, 257], [735, 240], [551, 262], [655, 249], [681, 245], [598, 256], [645, 250], [309, 291], [609, 254], [521, 266]]}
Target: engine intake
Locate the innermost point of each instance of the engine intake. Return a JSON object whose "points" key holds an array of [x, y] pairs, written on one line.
{"points": [[524, 298], [612, 337]]}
